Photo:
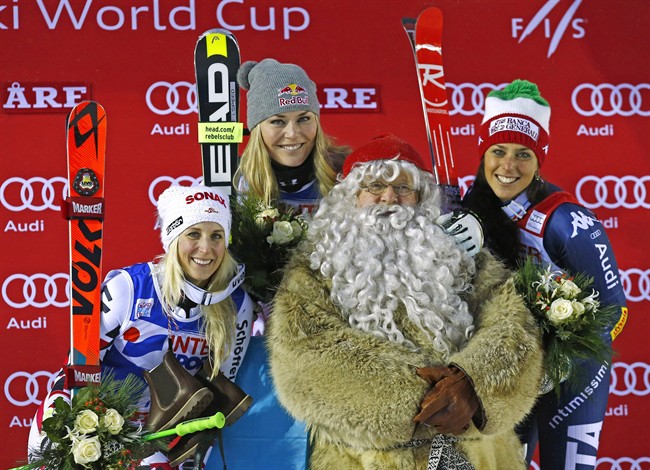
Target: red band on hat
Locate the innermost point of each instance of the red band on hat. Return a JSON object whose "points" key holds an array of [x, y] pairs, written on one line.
{"points": [[514, 129]]}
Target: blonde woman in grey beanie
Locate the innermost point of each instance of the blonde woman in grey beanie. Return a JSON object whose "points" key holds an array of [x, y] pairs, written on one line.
{"points": [[176, 322], [288, 158]]}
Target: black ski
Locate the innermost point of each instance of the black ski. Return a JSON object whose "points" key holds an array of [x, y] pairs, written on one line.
{"points": [[216, 61]]}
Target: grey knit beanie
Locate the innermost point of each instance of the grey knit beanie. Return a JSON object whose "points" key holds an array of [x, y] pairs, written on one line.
{"points": [[275, 88]]}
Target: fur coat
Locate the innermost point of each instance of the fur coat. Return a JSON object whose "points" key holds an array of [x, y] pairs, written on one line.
{"points": [[359, 393]]}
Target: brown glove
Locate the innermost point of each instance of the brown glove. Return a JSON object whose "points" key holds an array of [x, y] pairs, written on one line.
{"points": [[451, 403]]}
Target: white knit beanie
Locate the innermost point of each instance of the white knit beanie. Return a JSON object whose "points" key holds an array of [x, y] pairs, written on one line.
{"points": [[516, 114], [180, 207]]}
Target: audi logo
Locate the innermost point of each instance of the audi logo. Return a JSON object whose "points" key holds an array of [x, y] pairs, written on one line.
{"points": [[635, 277], [630, 379], [24, 389], [35, 193], [161, 183], [165, 98], [616, 464], [607, 99], [468, 99], [38, 290], [613, 192]]}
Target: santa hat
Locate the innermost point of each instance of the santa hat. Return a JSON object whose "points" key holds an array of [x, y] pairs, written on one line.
{"points": [[517, 114], [385, 147], [180, 207]]}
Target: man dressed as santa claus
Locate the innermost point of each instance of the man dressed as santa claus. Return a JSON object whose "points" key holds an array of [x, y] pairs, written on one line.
{"points": [[396, 347]]}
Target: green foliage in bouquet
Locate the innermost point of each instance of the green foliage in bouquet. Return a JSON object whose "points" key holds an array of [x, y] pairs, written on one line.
{"points": [[95, 432], [570, 316], [263, 237]]}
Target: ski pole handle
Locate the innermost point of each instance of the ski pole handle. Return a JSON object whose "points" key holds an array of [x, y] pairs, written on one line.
{"points": [[187, 427]]}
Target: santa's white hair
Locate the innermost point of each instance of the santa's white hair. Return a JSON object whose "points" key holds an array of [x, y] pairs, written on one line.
{"points": [[381, 256]]}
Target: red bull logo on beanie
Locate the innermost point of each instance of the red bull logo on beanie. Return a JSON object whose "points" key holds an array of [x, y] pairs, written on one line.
{"points": [[291, 89], [297, 95]]}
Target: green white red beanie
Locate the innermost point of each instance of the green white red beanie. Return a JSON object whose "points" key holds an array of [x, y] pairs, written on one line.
{"points": [[517, 114], [180, 207], [275, 88]]}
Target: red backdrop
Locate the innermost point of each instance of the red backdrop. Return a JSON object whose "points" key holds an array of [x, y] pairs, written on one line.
{"points": [[136, 59]]}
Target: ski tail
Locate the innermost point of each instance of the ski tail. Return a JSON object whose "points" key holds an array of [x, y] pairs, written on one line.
{"points": [[84, 208], [216, 62]]}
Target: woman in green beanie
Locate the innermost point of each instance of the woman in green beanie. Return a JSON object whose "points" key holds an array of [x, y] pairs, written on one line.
{"points": [[525, 216]]}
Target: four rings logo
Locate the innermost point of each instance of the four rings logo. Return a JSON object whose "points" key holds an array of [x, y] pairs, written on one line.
{"points": [[607, 99], [636, 284], [622, 463], [630, 379], [165, 98], [612, 192], [25, 389], [36, 193], [468, 99], [161, 183], [38, 290]]}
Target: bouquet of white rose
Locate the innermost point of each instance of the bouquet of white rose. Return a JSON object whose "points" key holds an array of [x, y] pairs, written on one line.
{"points": [[570, 316], [95, 432], [262, 238]]}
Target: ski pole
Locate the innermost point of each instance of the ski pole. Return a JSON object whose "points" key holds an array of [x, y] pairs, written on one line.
{"points": [[187, 427]]}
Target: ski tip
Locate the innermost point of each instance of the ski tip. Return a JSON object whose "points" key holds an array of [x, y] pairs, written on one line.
{"points": [[225, 32], [431, 14]]}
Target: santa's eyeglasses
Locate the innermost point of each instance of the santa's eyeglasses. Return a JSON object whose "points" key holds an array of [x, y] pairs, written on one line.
{"points": [[377, 189]]}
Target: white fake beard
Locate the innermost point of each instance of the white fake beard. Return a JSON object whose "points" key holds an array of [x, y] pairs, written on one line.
{"points": [[382, 256]]}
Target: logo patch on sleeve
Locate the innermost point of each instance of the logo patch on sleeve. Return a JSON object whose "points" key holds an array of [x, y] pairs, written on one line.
{"points": [[143, 308], [536, 222]]}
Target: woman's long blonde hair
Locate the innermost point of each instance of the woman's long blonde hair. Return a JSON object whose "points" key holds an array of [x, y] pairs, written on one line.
{"points": [[255, 166], [220, 318]]}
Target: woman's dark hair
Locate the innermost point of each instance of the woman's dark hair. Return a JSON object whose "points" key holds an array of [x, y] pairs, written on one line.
{"points": [[500, 232]]}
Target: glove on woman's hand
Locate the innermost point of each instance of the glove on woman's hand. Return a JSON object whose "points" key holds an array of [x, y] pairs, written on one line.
{"points": [[465, 227], [451, 403]]}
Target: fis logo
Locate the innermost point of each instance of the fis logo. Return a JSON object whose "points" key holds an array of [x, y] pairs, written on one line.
{"points": [[554, 33], [291, 89]]}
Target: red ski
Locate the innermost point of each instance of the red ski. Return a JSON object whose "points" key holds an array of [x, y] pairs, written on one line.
{"points": [[84, 208], [425, 36]]}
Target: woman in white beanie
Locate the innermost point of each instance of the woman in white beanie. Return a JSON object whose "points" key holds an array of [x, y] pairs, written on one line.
{"points": [[288, 158], [180, 322], [525, 216]]}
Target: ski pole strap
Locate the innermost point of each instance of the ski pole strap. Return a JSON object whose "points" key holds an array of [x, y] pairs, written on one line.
{"points": [[218, 420], [83, 207]]}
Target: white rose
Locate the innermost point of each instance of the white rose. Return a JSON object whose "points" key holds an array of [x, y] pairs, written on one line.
{"points": [[113, 421], [86, 450], [578, 307], [569, 289], [297, 228], [86, 422], [561, 310], [282, 233], [267, 214]]}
